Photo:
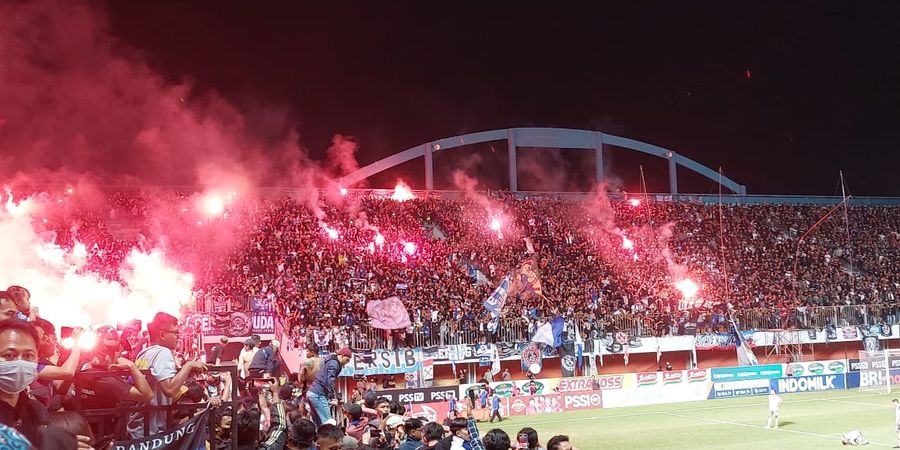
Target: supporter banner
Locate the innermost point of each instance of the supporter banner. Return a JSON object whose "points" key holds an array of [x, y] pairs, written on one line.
{"points": [[807, 383], [191, 435], [420, 395], [722, 341], [830, 367], [260, 304], [465, 351], [263, 323], [722, 374], [567, 359], [383, 362], [225, 324], [388, 314], [744, 388]]}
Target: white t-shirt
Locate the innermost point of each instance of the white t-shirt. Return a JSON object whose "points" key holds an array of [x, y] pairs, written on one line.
{"points": [[855, 437], [161, 363], [774, 402]]}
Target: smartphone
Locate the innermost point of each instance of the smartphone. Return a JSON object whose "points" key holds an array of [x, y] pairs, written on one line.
{"points": [[522, 439], [375, 433]]}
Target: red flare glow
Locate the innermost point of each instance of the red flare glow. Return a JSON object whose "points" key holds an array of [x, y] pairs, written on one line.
{"points": [[409, 248], [331, 232], [688, 288], [402, 192], [379, 239], [495, 225], [635, 202], [627, 244]]}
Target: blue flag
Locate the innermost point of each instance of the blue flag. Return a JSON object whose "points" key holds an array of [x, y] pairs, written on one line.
{"points": [[497, 300], [557, 324]]}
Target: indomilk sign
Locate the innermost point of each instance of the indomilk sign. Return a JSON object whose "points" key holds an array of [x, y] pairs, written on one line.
{"points": [[809, 383]]}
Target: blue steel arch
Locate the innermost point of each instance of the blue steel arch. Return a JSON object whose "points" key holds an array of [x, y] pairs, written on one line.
{"points": [[542, 138]]}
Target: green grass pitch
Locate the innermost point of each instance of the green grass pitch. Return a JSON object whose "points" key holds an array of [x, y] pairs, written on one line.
{"points": [[808, 421]]}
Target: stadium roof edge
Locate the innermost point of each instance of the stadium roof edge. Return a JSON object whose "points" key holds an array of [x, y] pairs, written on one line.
{"points": [[538, 137]]}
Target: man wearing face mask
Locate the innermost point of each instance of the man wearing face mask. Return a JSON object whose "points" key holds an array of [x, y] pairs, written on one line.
{"points": [[18, 368]]}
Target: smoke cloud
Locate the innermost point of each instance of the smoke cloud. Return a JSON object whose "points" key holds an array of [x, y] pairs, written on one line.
{"points": [[80, 112]]}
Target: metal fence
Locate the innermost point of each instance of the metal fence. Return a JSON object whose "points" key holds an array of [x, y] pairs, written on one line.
{"points": [[120, 414], [644, 325]]}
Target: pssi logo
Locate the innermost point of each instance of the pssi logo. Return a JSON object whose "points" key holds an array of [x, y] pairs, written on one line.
{"points": [[582, 401]]}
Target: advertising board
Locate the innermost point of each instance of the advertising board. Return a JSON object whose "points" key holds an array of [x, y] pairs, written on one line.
{"points": [[830, 367], [811, 383], [766, 371], [420, 395], [870, 378], [743, 388], [545, 386]]}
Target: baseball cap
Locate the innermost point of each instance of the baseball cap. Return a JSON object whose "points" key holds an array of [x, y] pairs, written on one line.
{"points": [[349, 442], [345, 352], [275, 343], [394, 421]]}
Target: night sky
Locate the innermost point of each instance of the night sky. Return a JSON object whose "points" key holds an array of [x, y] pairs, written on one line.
{"points": [[781, 96]]}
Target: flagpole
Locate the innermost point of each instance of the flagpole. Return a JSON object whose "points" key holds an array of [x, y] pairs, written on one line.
{"points": [[722, 240], [847, 227]]}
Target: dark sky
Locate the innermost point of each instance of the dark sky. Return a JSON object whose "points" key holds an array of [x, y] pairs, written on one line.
{"points": [[782, 96]]}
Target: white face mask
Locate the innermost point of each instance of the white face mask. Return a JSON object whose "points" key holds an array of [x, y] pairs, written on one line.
{"points": [[16, 375]]}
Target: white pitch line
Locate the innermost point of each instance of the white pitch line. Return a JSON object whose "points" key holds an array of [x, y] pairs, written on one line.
{"points": [[871, 405], [648, 413], [726, 422]]}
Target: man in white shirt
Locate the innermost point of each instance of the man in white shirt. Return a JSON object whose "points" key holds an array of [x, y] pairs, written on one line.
{"points": [[853, 438], [775, 403], [165, 379]]}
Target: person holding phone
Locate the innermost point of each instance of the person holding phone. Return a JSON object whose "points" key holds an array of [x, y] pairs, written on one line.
{"points": [[165, 379], [527, 438]]}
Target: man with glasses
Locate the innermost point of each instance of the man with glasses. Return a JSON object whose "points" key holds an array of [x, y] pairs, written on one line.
{"points": [[165, 379], [415, 433]]}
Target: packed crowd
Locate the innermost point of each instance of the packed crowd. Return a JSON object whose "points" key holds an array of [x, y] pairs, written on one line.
{"points": [[140, 388], [741, 257], [598, 262]]}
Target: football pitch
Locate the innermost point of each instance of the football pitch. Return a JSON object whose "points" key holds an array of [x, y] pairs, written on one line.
{"points": [[808, 420]]}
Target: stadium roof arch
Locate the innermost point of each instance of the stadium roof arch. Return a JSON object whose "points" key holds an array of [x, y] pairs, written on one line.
{"points": [[542, 138]]}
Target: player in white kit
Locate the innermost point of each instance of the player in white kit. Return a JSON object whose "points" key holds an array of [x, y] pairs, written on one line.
{"points": [[775, 403]]}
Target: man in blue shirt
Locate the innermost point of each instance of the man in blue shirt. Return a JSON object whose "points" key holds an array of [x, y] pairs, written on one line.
{"points": [[495, 407], [265, 361], [321, 393]]}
